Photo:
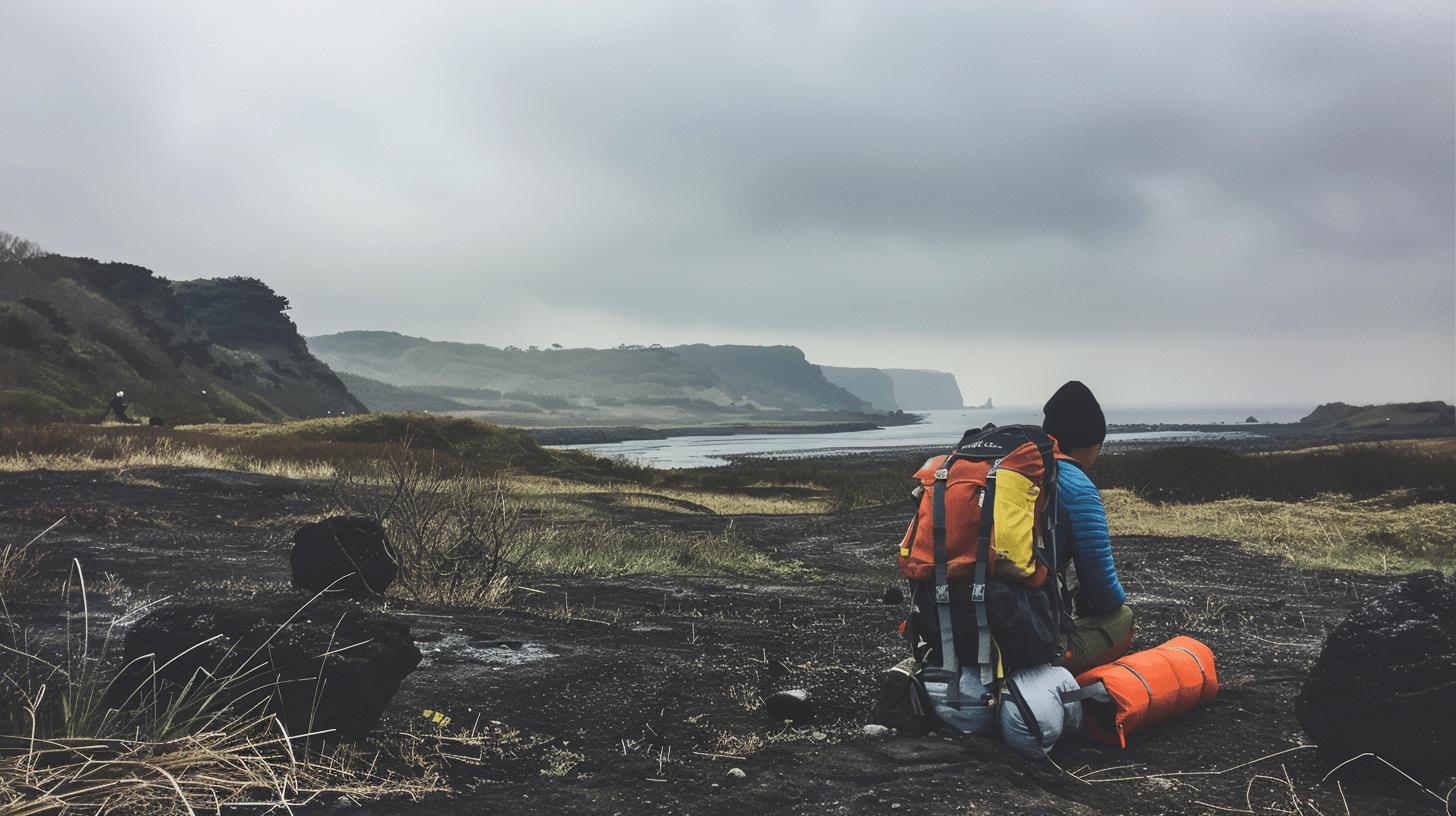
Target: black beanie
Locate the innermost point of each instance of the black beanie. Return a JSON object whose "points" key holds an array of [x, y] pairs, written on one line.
{"points": [[1073, 416]]}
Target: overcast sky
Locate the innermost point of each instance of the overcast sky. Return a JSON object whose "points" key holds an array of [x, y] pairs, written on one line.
{"points": [[1175, 202]]}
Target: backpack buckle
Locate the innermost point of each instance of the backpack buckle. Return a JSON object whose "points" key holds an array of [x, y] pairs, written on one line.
{"points": [[942, 594], [942, 474], [978, 593]]}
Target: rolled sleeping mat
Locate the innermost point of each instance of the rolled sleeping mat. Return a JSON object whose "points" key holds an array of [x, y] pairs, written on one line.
{"points": [[1033, 713], [1144, 689], [974, 714]]}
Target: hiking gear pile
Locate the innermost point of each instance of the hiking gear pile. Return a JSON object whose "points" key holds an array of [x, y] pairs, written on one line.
{"points": [[989, 619]]}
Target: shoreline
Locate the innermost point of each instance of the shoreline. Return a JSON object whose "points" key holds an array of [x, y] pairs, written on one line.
{"points": [[588, 435]]}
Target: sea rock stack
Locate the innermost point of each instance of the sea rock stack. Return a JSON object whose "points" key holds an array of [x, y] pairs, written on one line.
{"points": [[347, 555], [1383, 682]]}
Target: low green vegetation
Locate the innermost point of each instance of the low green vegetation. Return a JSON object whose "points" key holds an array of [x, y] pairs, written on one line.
{"points": [[601, 547], [303, 449], [1200, 474]]}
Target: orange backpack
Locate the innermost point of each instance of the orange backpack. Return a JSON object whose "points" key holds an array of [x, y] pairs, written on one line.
{"points": [[1010, 465], [977, 555]]}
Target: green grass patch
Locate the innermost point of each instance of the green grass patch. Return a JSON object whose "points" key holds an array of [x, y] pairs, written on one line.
{"points": [[602, 548]]}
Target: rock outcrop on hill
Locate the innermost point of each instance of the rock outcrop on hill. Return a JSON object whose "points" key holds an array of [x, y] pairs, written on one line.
{"points": [[1383, 682], [1400, 414], [924, 389], [74, 331]]}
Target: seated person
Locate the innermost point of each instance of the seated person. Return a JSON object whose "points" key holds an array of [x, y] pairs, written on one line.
{"points": [[1103, 626]]}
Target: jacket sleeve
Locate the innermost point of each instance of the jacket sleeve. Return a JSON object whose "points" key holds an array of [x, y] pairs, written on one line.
{"points": [[1092, 547]]}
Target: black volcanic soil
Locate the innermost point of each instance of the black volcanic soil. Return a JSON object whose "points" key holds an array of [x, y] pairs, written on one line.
{"points": [[612, 674]]}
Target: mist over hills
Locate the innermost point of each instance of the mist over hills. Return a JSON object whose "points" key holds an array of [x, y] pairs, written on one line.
{"points": [[890, 389], [73, 331]]}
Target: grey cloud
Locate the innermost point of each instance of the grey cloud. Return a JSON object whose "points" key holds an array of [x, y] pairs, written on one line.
{"points": [[1177, 173]]}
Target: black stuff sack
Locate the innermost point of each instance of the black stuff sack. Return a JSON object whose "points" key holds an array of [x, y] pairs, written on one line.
{"points": [[904, 704]]}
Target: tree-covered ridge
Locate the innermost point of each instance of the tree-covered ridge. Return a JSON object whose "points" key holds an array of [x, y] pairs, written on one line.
{"points": [[74, 331]]}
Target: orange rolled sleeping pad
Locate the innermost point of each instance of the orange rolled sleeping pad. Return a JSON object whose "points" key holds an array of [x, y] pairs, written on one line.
{"points": [[1147, 688]]}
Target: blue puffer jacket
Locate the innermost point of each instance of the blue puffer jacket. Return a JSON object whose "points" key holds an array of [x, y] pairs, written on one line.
{"points": [[1083, 532]]}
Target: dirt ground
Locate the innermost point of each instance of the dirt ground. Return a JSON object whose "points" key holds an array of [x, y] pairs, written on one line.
{"points": [[637, 695]]}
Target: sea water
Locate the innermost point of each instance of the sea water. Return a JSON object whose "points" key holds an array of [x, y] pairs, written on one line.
{"points": [[937, 429]]}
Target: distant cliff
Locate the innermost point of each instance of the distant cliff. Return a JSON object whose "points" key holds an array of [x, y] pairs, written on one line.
{"points": [[697, 377], [926, 390], [775, 375], [73, 331], [869, 384]]}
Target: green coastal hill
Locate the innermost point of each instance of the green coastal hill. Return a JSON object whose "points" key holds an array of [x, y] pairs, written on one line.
{"points": [[74, 331], [648, 384], [1430, 414], [707, 378]]}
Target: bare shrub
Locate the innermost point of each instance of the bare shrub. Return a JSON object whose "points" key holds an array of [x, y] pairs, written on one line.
{"points": [[457, 538], [15, 248]]}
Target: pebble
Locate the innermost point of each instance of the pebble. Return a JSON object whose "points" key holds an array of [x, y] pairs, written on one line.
{"points": [[874, 731], [737, 773]]}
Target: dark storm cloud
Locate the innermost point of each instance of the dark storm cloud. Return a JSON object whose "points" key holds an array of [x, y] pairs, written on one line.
{"points": [[1165, 174]]}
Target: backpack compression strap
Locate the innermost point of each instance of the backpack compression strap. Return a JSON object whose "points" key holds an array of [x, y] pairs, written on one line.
{"points": [[978, 589], [948, 659]]}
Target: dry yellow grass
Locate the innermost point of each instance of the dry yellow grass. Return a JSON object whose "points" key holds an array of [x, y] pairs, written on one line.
{"points": [[1444, 446], [1383, 534], [208, 772], [127, 453], [671, 499]]}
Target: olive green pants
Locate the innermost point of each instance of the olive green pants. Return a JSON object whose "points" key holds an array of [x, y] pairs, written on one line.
{"points": [[1098, 639]]}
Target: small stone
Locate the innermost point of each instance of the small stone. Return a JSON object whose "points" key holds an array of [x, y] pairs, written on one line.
{"points": [[875, 731], [791, 704], [737, 773], [895, 806]]}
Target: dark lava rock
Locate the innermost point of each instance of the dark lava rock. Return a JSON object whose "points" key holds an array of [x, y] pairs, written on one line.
{"points": [[351, 548], [793, 704], [1385, 681], [894, 596], [156, 421], [331, 665]]}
